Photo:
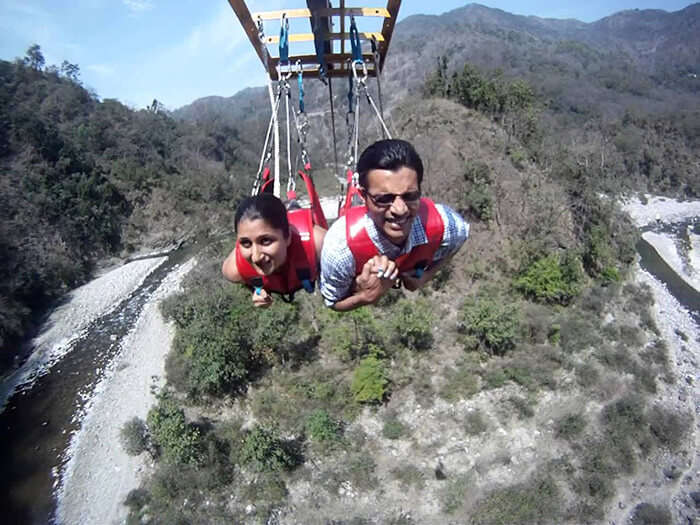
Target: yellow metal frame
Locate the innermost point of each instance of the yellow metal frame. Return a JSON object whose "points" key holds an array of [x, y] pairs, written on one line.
{"points": [[338, 63]]}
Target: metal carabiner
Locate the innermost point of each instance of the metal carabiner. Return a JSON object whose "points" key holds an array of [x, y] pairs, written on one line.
{"points": [[354, 65]]}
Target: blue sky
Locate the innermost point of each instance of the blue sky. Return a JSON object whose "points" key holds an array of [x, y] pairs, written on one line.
{"points": [[180, 50]]}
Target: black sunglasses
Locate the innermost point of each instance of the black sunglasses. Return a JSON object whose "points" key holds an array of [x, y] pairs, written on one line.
{"points": [[385, 200]]}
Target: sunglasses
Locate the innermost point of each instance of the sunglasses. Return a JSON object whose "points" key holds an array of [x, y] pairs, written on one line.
{"points": [[384, 200]]}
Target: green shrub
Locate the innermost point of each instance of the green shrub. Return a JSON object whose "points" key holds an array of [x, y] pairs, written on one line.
{"points": [[134, 436], [479, 199], [588, 375], [393, 428], [179, 442], [349, 334], [626, 428], [321, 427], [648, 514], [534, 501], [668, 429], [453, 494], [570, 426], [462, 382], [551, 280], [266, 491], [265, 452], [522, 406], [578, 332], [475, 423], [610, 274], [369, 382], [412, 323], [212, 347], [537, 323], [409, 476], [489, 323]]}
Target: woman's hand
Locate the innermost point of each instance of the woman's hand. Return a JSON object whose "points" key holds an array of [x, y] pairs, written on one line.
{"points": [[261, 299]]}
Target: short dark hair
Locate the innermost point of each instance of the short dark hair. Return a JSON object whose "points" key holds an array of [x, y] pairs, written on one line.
{"points": [[266, 207], [389, 154]]}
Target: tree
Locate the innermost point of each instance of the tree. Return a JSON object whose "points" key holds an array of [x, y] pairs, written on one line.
{"points": [[34, 58], [70, 71]]}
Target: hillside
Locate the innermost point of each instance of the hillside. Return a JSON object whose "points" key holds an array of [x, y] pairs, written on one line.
{"points": [[618, 92], [84, 180], [487, 398]]}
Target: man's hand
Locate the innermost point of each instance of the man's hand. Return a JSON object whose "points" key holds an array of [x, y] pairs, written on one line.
{"points": [[261, 299], [378, 275]]}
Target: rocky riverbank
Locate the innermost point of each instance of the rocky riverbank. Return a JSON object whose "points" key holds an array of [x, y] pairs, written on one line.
{"points": [[69, 321], [98, 474]]}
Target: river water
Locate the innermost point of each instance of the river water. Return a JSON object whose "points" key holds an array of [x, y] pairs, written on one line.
{"points": [[37, 423], [653, 263]]}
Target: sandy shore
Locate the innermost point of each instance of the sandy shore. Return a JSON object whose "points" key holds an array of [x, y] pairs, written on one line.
{"points": [[662, 208], [99, 474], [69, 321], [687, 269]]}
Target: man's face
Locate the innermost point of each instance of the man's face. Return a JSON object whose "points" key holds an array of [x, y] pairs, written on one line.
{"points": [[393, 200]]}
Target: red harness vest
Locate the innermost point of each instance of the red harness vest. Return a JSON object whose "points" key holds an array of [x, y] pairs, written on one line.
{"points": [[300, 270], [418, 259]]}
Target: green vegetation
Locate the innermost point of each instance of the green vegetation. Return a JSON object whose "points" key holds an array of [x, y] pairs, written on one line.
{"points": [[264, 451], [551, 280], [648, 514], [83, 179], [393, 428], [321, 427], [134, 436], [490, 324], [178, 441], [369, 382], [570, 426], [534, 501], [475, 423]]}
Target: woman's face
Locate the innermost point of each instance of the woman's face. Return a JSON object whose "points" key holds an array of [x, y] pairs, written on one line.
{"points": [[263, 246]]}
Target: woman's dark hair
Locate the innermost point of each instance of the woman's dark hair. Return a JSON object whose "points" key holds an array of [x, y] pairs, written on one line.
{"points": [[266, 207], [389, 154]]}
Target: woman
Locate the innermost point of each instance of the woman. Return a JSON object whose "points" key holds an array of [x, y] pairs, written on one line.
{"points": [[276, 250]]}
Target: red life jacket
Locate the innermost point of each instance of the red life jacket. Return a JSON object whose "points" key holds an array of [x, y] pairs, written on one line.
{"points": [[417, 260], [300, 270]]}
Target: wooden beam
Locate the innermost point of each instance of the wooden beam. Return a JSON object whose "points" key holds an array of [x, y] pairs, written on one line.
{"points": [[334, 58], [388, 29], [251, 29], [309, 37], [326, 11], [334, 73]]}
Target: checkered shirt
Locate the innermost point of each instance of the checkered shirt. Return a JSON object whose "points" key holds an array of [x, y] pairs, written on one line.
{"points": [[338, 263]]}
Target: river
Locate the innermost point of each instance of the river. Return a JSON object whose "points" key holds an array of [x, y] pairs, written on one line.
{"points": [[40, 418]]}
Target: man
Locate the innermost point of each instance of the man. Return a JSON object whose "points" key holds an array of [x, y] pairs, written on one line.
{"points": [[397, 234]]}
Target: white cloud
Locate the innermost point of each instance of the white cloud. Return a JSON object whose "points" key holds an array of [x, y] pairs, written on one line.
{"points": [[101, 69], [138, 6]]}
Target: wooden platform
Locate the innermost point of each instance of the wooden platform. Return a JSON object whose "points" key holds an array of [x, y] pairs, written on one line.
{"points": [[333, 22]]}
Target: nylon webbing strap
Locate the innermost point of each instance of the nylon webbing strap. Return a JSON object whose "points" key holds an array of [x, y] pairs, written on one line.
{"points": [[355, 41], [300, 81], [319, 37], [284, 41]]}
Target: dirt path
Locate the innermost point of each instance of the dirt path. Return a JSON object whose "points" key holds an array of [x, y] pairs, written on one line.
{"points": [[99, 474]]}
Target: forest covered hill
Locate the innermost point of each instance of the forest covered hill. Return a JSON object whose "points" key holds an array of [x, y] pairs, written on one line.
{"points": [[84, 179]]}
